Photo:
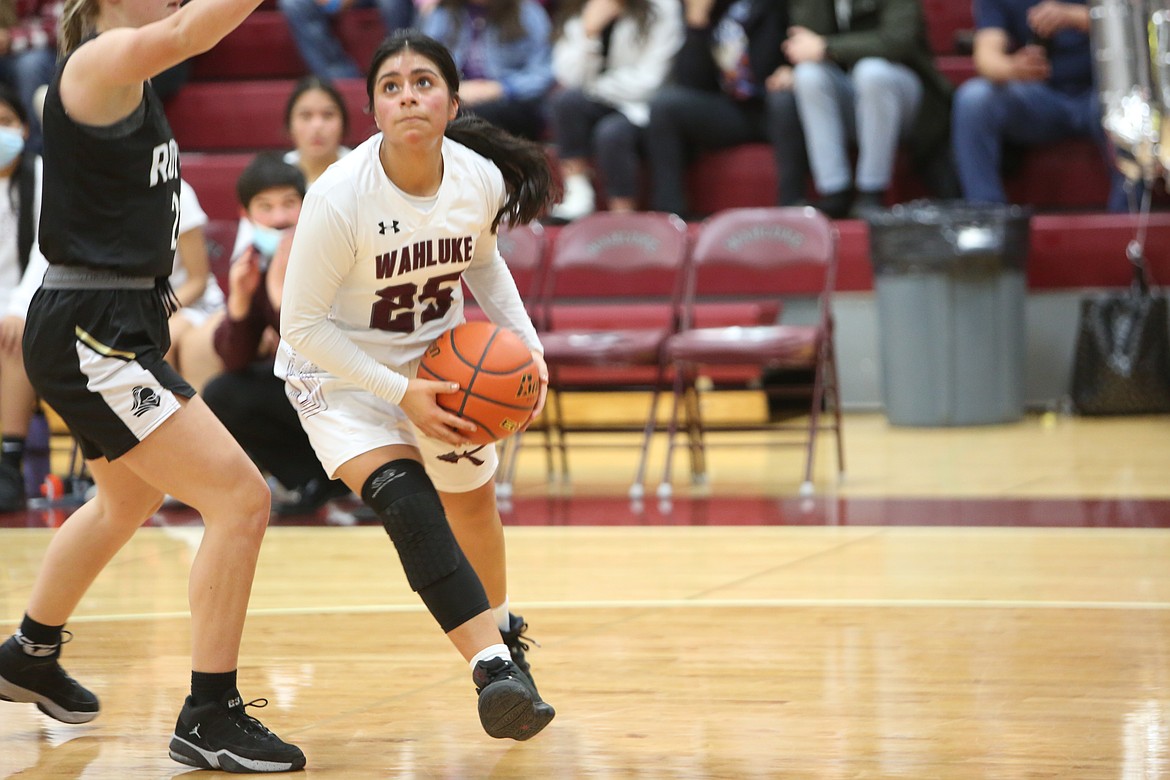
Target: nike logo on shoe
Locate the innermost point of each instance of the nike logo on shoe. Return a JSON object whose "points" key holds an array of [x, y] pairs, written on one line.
{"points": [[195, 731]]}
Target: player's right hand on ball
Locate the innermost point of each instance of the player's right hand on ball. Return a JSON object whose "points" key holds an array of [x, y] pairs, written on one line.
{"points": [[424, 411]]}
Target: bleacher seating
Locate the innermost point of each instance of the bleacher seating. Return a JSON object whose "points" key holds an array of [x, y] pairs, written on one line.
{"points": [[234, 107]]}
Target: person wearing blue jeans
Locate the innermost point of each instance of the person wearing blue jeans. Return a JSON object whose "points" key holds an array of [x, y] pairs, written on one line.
{"points": [[1034, 86], [28, 55], [311, 24], [503, 50], [864, 74]]}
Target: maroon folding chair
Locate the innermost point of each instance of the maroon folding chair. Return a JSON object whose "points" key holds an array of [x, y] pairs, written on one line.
{"points": [[611, 298], [757, 254], [523, 249]]}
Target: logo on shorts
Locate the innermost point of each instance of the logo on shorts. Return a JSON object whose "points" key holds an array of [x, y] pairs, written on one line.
{"points": [[455, 457], [145, 399]]}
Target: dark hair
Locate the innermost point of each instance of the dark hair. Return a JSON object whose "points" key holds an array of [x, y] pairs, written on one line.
{"points": [[21, 183], [267, 171], [641, 11], [308, 84], [527, 178]]}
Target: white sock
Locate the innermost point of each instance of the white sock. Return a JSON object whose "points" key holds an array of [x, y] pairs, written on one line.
{"points": [[502, 616], [491, 651]]}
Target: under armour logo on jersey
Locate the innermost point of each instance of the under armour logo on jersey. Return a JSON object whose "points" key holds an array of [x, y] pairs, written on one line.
{"points": [[382, 480], [145, 399], [393, 225], [455, 457]]}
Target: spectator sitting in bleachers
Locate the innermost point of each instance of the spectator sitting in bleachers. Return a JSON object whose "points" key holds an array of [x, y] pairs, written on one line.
{"points": [[311, 24], [611, 56], [200, 297], [1034, 86], [316, 120], [864, 74], [502, 49], [21, 269], [28, 53], [721, 94], [247, 397]]}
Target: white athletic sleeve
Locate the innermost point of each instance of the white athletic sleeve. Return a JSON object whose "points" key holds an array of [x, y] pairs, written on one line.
{"points": [[34, 272], [30, 282], [491, 283], [323, 252]]}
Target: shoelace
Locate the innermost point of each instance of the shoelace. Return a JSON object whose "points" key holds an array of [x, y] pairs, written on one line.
{"points": [[522, 641], [246, 722]]}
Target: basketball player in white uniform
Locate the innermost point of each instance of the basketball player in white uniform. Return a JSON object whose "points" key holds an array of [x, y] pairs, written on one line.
{"points": [[374, 276]]}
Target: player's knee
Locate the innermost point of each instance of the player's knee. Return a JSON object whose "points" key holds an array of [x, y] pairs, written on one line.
{"points": [[436, 568], [251, 503], [409, 507]]}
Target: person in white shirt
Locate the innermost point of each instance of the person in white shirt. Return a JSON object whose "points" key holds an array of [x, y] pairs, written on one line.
{"points": [[200, 296], [611, 56], [385, 238], [21, 269]]}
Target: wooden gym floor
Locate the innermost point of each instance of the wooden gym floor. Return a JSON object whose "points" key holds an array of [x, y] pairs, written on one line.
{"points": [[967, 603]]}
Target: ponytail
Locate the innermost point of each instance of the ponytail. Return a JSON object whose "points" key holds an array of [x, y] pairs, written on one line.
{"points": [[78, 18], [527, 176]]}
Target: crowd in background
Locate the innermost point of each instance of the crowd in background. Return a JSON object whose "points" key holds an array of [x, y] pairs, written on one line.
{"points": [[627, 92]]}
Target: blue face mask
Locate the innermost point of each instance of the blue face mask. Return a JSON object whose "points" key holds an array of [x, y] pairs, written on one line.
{"points": [[266, 239], [11, 145]]}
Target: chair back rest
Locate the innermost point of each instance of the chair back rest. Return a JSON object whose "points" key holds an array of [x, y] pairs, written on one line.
{"points": [[610, 258], [523, 248], [759, 252]]}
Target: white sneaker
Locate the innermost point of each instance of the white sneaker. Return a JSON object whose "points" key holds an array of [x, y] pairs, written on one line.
{"points": [[578, 201]]}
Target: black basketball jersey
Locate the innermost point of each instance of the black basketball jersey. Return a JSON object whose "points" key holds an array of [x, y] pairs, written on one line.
{"points": [[111, 194]]}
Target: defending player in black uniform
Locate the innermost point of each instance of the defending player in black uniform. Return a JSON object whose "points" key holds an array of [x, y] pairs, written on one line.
{"points": [[94, 346]]}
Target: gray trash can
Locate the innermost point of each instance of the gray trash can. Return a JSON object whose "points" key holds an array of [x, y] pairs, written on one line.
{"points": [[951, 288]]}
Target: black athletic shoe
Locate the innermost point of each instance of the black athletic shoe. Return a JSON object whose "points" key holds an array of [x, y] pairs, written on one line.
{"points": [[518, 643], [40, 680], [509, 706], [310, 497], [221, 735], [12, 498]]}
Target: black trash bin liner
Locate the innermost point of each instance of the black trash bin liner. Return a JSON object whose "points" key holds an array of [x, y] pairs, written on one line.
{"points": [[951, 292]]}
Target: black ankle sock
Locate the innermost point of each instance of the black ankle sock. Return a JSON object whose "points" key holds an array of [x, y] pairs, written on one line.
{"points": [[12, 451], [208, 687], [39, 633]]}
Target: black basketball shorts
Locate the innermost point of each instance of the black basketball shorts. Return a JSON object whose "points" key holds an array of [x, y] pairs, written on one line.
{"points": [[96, 357]]}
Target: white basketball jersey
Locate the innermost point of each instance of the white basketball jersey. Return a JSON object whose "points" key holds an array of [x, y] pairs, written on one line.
{"points": [[372, 271]]}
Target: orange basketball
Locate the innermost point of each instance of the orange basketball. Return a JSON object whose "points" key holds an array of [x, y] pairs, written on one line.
{"points": [[496, 374]]}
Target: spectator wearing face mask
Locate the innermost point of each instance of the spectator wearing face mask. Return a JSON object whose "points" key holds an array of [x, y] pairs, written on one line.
{"points": [[246, 396], [21, 269]]}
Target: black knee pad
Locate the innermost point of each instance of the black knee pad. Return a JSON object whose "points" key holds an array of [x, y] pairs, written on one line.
{"points": [[408, 504]]}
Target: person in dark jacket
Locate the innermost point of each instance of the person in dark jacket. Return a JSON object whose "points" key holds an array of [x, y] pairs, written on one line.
{"points": [[864, 74], [247, 397], [727, 87]]}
